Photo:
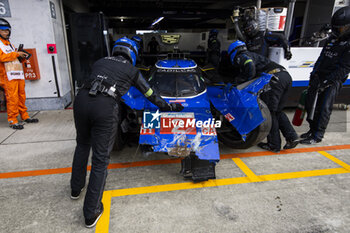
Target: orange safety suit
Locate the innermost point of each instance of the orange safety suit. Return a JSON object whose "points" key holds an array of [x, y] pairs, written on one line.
{"points": [[14, 89]]}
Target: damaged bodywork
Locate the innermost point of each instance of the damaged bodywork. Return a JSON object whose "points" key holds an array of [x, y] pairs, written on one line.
{"points": [[210, 112]]}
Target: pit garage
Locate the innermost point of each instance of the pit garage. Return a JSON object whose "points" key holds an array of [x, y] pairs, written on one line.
{"points": [[304, 189]]}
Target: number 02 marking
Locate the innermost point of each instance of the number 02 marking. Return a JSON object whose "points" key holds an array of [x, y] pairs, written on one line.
{"points": [[2, 8]]}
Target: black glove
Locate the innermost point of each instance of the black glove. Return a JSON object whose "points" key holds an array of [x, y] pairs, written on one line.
{"points": [[287, 54], [175, 107]]}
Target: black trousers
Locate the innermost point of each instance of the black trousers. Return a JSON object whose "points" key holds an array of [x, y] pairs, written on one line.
{"points": [[96, 118], [324, 106], [275, 100]]}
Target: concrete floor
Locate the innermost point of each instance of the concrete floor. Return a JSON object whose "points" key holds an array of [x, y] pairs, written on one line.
{"points": [[34, 181]]}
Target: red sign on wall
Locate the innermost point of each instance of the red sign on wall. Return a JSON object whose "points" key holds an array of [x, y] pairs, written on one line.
{"points": [[31, 67]]}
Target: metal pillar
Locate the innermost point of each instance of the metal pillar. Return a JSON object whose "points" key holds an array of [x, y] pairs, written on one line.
{"points": [[289, 20], [258, 4]]}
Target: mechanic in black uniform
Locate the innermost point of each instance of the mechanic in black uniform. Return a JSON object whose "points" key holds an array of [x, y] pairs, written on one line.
{"points": [[329, 73], [213, 48], [96, 115], [260, 41], [252, 64]]}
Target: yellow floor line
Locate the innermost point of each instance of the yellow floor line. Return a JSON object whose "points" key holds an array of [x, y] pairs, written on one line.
{"points": [[103, 224], [303, 174], [334, 159], [251, 175], [179, 186]]}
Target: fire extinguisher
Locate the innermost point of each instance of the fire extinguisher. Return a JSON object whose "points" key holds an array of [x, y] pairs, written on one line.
{"points": [[300, 111]]}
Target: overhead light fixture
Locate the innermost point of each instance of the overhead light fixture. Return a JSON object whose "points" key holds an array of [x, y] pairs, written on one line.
{"points": [[121, 20], [157, 21]]}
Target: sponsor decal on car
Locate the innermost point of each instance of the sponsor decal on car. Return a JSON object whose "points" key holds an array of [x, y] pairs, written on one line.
{"points": [[229, 117], [144, 131], [177, 101]]}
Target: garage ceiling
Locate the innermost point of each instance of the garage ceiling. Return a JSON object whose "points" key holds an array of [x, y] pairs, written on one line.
{"points": [[176, 13]]}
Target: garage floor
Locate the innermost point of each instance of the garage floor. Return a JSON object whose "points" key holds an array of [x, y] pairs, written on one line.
{"points": [[306, 189]]}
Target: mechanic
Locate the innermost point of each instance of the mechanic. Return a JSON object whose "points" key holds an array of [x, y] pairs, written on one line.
{"points": [[153, 46], [96, 115], [12, 78], [251, 64], [329, 73], [214, 45], [260, 41]]}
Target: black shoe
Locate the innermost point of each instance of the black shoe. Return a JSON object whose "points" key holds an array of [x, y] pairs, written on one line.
{"points": [[310, 141], [74, 195], [306, 135], [266, 146], [290, 145], [31, 120], [16, 126], [91, 222]]}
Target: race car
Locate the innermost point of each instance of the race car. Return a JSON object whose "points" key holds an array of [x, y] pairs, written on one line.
{"points": [[213, 113]]}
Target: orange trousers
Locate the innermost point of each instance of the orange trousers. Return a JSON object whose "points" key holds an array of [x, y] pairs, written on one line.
{"points": [[15, 100]]}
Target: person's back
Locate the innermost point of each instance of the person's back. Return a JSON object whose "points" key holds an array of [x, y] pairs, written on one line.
{"points": [[97, 113], [122, 72]]}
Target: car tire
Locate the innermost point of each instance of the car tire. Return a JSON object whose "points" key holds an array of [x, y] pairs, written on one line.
{"points": [[233, 139]]}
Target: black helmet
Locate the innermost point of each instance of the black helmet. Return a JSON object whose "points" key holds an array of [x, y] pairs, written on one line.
{"points": [[235, 48], [127, 47], [251, 28], [4, 24], [341, 22]]}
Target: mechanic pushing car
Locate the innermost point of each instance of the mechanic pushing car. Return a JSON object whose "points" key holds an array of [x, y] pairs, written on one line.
{"points": [[259, 41], [251, 64], [329, 73], [96, 115]]}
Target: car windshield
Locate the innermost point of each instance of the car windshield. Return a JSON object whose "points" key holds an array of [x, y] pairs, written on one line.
{"points": [[177, 84]]}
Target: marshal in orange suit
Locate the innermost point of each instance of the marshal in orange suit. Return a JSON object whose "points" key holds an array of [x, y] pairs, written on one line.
{"points": [[12, 78]]}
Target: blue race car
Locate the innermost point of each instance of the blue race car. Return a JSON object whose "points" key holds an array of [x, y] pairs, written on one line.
{"points": [[213, 113]]}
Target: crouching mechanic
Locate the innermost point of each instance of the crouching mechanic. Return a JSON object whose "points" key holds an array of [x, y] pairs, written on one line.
{"points": [[96, 115], [251, 64], [12, 78], [329, 73]]}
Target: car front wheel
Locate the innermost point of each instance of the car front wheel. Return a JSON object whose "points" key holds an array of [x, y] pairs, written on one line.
{"points": [[230, 137]]}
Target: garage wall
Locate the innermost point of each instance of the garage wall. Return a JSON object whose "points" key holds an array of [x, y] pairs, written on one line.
{"points": [[189, 41], [33, 26]]}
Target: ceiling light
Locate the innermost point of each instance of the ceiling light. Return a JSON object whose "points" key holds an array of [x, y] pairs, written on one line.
{"points": [[157, 21]]}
